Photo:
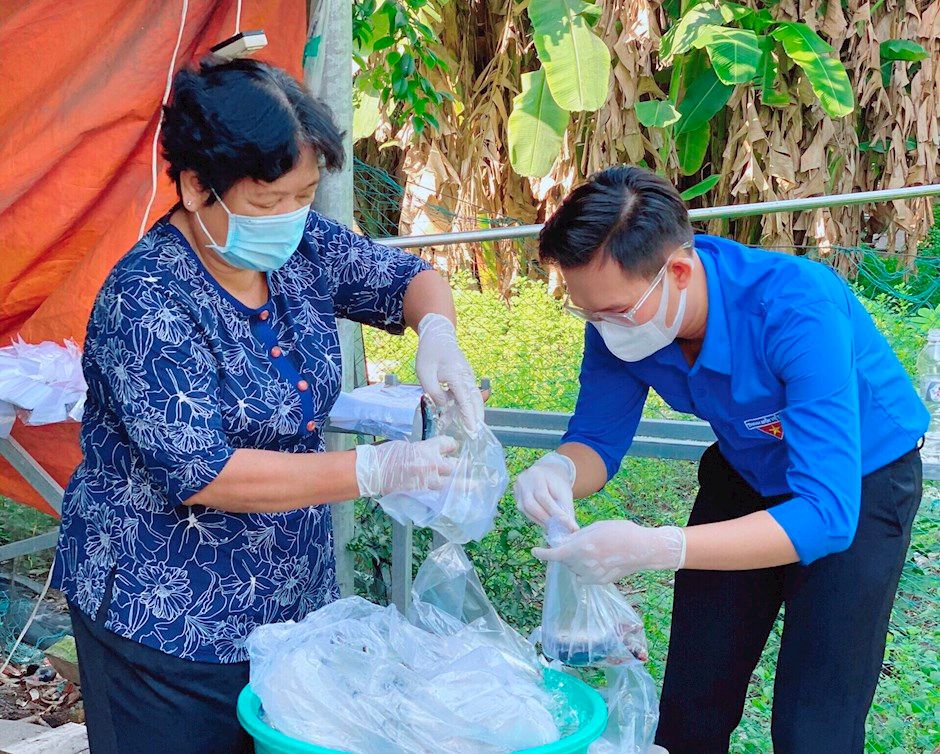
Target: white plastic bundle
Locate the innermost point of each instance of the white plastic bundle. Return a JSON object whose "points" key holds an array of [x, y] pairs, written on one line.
{"points": [[42, 383], [389, 411], [358, 677]]}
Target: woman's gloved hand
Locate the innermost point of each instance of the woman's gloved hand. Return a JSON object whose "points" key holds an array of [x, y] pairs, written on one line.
{"points": [[606, 551], [440, 362], [400, 466], [544, 490]]}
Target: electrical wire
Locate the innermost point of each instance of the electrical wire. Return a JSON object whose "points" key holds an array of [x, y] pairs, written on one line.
{"points": [[156, 133]]}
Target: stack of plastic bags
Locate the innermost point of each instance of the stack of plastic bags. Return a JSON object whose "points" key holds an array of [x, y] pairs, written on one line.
{"points": [[391, 411], [40, 383], [358, 677]]}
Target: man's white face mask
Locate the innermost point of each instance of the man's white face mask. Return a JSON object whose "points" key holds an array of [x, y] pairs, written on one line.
{"points": [[630, 341], [636, 342]]}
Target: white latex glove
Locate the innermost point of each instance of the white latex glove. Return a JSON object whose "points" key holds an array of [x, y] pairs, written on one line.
{"points": [[544, 490], [440, 362], [400, 466], [607, 551]]}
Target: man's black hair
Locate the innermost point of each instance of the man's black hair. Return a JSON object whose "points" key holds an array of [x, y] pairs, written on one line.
{"points": [[243, 119], [634, 216]]}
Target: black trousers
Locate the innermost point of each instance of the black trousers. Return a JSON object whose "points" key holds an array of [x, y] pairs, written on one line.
{"points": [[139, 700], [835, 622]]}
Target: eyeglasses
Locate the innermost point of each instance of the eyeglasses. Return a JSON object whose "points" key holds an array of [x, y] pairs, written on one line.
{"points": [[627, 318]]}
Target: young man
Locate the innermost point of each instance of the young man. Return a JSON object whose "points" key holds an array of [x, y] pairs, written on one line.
{"points": [[807, 498]]}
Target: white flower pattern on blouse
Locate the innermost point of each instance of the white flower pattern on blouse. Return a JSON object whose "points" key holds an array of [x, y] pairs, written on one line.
{"points": [[180, 374]]}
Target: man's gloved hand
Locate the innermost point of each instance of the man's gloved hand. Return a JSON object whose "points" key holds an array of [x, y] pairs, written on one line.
{"points": [[440, 362], [607, 551], [400, 466], [544, 490]]}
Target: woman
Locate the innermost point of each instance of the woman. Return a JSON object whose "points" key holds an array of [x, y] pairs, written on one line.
{"points": [[199, 510], [805, 501]]}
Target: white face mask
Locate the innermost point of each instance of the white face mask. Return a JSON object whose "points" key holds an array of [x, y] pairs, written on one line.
{"points": [[635, 343]]}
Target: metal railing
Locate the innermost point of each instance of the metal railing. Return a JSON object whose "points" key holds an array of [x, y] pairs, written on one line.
{"points": [[726, 211]]}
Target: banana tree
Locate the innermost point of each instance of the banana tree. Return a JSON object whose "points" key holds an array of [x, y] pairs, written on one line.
{"points": [[574, 76], [714, 47]]}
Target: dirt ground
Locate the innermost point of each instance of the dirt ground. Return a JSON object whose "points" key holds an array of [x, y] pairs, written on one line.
{"points": [[38, 694]]}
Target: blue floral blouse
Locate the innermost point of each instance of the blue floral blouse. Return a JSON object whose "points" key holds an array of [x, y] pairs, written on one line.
{"points": [[180, 374]]}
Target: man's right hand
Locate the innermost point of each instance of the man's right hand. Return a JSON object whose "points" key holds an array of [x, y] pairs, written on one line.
{"points": [[544, 490]]}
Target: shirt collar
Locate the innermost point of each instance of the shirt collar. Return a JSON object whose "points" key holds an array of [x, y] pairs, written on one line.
{"points": [[716, 348]]}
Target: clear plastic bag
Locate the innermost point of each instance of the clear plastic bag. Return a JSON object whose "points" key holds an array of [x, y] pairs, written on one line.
{"points": [[358, 677], [632, 710], [586, 624], [447, 596], [465, 507]]}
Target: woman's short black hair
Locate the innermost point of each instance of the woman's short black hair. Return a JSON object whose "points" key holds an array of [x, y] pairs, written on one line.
{"points": [[243, 119], [629, 213]]}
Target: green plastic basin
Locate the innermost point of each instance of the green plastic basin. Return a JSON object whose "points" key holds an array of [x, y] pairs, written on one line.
{"points": [[585, 701]]}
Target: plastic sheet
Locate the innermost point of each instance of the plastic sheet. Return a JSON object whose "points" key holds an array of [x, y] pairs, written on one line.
{"points": [[465, 507], [358, 677], [586, 624], [43, 382], [389, 411], [447, 596]]}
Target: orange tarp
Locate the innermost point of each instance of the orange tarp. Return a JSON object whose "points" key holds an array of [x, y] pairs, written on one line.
{"points": [[80, 89]]}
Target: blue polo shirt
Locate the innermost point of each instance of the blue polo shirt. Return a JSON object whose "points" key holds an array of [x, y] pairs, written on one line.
{"points": [[803, 392]]}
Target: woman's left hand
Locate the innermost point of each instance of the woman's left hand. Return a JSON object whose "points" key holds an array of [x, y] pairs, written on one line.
{"points": [[440, 363]]}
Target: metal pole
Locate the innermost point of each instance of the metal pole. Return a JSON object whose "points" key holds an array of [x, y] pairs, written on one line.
{"points": [[32, 472], [329, 77], [703, 213]]}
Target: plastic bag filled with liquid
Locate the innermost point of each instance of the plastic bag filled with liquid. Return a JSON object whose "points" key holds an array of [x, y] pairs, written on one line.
{"points": [[586, 624]]}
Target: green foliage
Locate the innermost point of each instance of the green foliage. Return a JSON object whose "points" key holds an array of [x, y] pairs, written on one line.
{"points": [[705, 96], [893, 50], [826, 74], [536, 127], [656, 113], [691, 148], [682, 36], [734, 53], [743, 47], [927, 319], [394, 51], [768, 69], [700, 188], [574, 76], [575, 59]]}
